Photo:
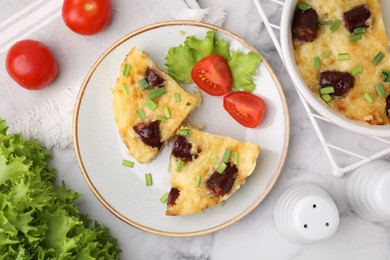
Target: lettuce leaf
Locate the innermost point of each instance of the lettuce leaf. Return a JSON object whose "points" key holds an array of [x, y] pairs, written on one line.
{"points": [[37, 219], [243, 67], [181, 59]]}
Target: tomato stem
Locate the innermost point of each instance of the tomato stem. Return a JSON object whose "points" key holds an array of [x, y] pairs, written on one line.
{"points": [[87, 7]]}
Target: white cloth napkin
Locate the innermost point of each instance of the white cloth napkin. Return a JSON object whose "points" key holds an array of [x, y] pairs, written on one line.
{"points": [[47, 114]]}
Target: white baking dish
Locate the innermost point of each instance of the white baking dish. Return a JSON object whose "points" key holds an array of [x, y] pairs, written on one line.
{"points": [[322, 109]]}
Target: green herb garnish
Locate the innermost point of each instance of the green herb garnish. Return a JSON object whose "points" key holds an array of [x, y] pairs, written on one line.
{"points": [[327, 54], [157, 93], [125, 89], [164, 198], [180, 164], [222, 167], [235, 158], [303, 6], [356, 70], [227, 154], [355, 38], [184, 132], [359, 30], [327, 90], [380, 91], [336, 24], [161, 118], [148, 179], [386, 75], [343, 56], [378, 58], [167, 112], [317, 62], [197, 181], [150, 104], [177, 97], [368, 98], [141, 114], [326, 98], [128, 163], [126, 70]]}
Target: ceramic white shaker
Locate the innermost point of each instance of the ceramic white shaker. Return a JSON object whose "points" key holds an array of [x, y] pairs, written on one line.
{"points": [[368, 191], [305, 213]]}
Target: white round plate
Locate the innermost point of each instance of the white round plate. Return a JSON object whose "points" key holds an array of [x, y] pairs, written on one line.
{"points": [[121, 189]]}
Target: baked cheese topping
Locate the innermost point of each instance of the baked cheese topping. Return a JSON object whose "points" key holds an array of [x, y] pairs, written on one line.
{"points": [[207, 152], [335, 50], [146, 121]]}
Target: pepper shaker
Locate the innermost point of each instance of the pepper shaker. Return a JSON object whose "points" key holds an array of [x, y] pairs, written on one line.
{"points": [[368, 191], [305, 213]]}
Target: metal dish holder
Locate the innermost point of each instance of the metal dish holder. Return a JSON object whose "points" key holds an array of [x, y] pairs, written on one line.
{"points": [[352, 154]]}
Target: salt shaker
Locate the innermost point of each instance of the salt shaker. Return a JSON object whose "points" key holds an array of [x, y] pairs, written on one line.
{"points": [[305, 213], [368, 191]]}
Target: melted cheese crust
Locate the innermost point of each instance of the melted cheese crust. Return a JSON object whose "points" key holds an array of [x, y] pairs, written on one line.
{"points": [[196, 199], [125, 106], [353, 105]]}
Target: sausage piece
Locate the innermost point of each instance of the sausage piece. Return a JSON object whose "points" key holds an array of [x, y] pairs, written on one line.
{"points": [[220, 184], [357, 17], [149, 133], [153, 78], [342, 82], [305, 25], [182, 149], [173, 195]]}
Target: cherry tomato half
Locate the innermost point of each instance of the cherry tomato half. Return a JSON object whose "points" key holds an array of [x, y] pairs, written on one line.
{"points": [[212, 74], [246, 108], [31, 64], [86, 17]]}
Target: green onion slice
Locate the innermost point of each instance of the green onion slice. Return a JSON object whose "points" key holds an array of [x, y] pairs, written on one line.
{"points": [[214, 159], [197, 181], [378, 58], [235, 157], [355, 38], [326, 98], [141, 114], [359, 30], [327, 90], [180, 165], [125, 89], [150, 104], [177, 97], [327, 54], [184, 132], [157, 92], [126, 70], [356, 70], [336, 24], [386, 75], [148, 179], [380, 90], [227, 155], [317, 62], [303, 6], [368, 98], [167, 112], [128, 163], [143, 84], [222, 167], [161, 118], [325, 22], [164, 198], [343, 56]]}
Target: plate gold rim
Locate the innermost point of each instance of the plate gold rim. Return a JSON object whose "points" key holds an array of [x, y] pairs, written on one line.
{"points": [[256, 202]]}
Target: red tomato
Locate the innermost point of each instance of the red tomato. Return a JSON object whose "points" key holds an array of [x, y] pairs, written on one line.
{"points": [[31, 64], [246, 108], [86, 17], [212, 74]]}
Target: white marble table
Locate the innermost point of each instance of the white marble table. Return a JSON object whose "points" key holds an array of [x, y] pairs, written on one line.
{"points": [[255, 236]]}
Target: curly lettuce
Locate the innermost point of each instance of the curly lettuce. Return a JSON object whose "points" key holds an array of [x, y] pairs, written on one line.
{"points": [[181, 59], [37, 219]]}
